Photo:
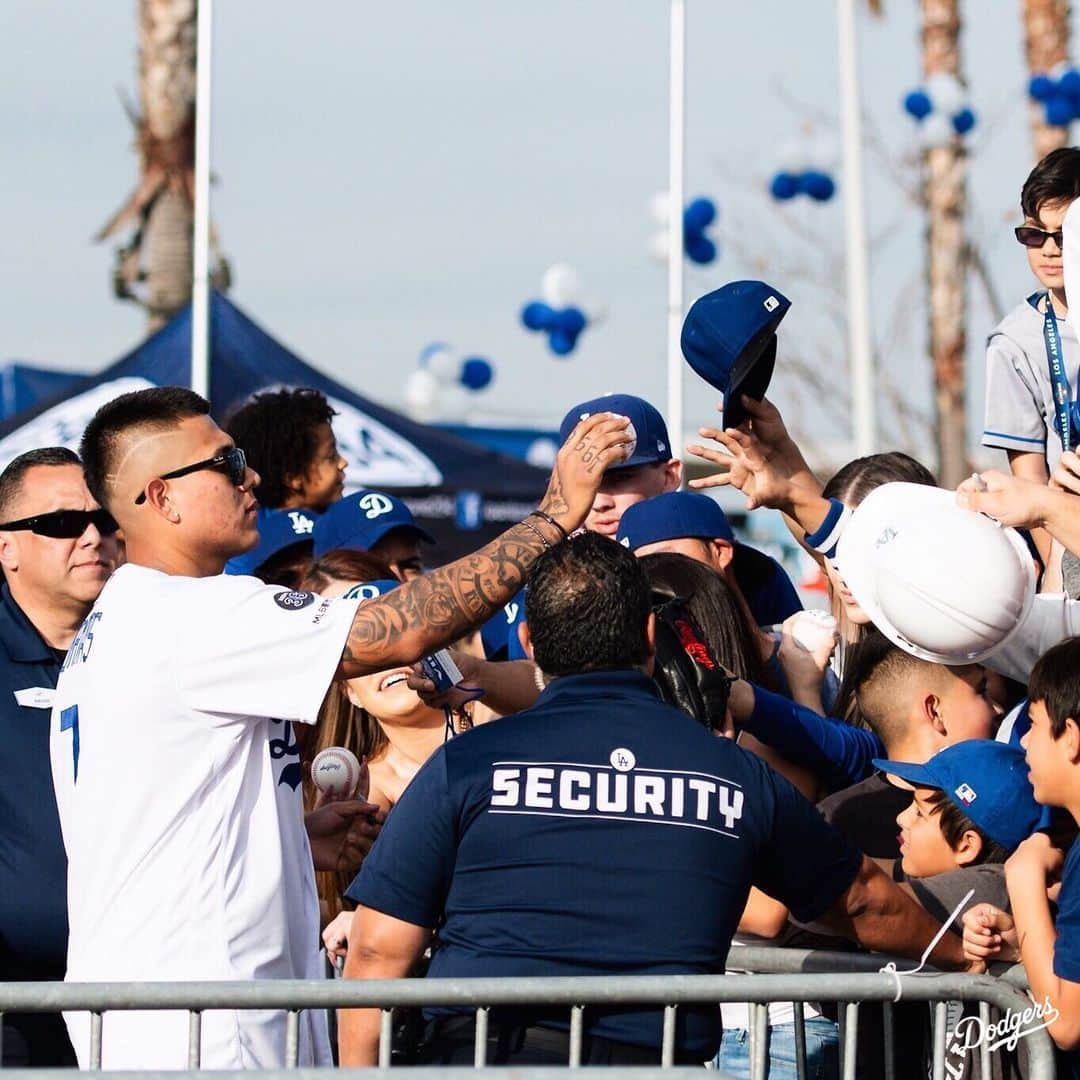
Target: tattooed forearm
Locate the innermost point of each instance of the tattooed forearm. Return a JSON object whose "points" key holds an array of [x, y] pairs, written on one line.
{"points": [[432, 611]]}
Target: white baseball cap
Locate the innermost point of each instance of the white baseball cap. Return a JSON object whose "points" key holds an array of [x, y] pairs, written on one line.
{"points": [[943, 583]]}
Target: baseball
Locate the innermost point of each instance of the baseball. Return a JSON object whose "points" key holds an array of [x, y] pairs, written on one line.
{"points": [[336, 771], [813, 629], [632, 432]]}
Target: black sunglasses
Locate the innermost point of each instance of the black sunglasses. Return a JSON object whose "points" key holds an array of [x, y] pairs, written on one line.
{"points": [[1033, 237], [65, 524], [233, 463]]}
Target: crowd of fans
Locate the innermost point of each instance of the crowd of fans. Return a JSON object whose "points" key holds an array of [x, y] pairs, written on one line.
{"points": [[648, 755]]}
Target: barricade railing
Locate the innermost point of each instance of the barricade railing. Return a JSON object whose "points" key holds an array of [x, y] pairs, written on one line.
{"points": [[847, 989]]}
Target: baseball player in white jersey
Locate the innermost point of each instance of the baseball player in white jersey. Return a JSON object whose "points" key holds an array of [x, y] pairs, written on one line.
{"points": [[175, 769]]}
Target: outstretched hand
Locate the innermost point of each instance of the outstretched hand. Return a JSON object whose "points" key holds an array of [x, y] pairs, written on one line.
{"points": [[744, 464], [597, 443], [341, 834], [1009, 500]]}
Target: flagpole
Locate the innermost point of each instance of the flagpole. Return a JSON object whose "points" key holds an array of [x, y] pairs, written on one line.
{"points": [[858, 273], [676, 140], [200, 277]]}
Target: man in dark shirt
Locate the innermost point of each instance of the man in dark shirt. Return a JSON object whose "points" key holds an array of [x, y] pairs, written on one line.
{"points": [[599, 832], [57, 548]]}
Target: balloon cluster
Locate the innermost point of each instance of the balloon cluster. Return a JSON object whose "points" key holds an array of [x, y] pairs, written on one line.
{"points": [[941, 109], [442, 367], [698, 218], [806, 167], [559, 313], [1058, 91]]}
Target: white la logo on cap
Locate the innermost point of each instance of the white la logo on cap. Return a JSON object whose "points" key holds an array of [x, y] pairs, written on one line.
{"points": [[771, 304], [375, 505], [301, 523]]}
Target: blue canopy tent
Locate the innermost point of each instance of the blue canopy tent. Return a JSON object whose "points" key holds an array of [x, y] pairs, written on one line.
{"points": [[22, 386], [461, 492]]}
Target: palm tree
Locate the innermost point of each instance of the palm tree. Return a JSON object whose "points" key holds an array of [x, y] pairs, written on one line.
{"points": [[1046, 43], [154, 266], [945, 194]]}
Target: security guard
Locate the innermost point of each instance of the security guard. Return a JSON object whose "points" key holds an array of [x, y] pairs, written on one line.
{"points": [[599, 832], [57, 549]]}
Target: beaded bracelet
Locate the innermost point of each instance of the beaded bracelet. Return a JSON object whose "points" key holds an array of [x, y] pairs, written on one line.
{"points": [[533, 529], [551, 521]]}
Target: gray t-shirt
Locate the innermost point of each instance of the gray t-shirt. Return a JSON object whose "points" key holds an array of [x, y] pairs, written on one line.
{"points": [[1019, 397]]}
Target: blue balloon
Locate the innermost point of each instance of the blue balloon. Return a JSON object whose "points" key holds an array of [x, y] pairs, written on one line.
{"points": [[562, 343], [1041, 87], [1059, 111], [1069, 83], [476, 373], [699, 215], [700, 250], [784, 186], [537, 315], [963, 121], [918, 104], [817, 185], [570, 321]]}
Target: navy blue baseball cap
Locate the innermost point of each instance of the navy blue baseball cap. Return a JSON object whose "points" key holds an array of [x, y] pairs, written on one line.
{"points": [[729, 339], [278, 529], [652, 435], [370, 590], [986, 780], [671, 516], [361, 520]]}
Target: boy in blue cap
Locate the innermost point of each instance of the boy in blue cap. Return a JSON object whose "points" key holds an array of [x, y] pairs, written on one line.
{"points": [[377, 522], [1049, 950], [686, 523]]}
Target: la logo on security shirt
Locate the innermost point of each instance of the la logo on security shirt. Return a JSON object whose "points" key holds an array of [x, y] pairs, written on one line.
{"points": [[617, 789]]}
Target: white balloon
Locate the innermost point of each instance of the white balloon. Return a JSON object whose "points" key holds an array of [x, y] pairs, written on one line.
{"points": [[936, 130], [542, 452], [454, 403], [560, 285], [659, 208], [445, 365], [421, 394], [658, 245], [945, 91]]}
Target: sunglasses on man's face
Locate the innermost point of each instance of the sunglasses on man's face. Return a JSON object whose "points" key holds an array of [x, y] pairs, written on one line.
{"points": [[233, 463], [65, 524], [1033, 237]]}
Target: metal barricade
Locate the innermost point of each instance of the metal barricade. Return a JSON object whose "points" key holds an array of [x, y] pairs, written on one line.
{"points": [[849, 989]]}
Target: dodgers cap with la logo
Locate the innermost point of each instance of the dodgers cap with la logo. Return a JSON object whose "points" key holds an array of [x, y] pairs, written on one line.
{"points": [[359, 521], [653, 443], [986, 780], [278, 530], [729, 339]]}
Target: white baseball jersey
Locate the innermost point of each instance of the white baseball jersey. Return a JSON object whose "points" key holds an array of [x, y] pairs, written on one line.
{"points": [[180, 804]]}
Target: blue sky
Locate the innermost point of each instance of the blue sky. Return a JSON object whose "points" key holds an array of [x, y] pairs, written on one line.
{"points": [[394, 174]]}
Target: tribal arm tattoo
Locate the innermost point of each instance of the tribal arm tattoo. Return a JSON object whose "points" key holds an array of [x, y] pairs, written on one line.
{"points": [[431, 611]]}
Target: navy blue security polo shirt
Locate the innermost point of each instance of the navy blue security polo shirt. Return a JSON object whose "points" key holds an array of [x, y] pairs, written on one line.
{"points": [[33, 866], [599, 832]]}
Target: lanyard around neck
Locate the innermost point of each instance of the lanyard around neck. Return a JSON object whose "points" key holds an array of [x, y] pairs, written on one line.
{"points": [[1059, 379]]}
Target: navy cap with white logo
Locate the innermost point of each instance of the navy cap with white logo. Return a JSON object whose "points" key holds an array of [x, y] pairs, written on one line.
{"points": [[672, 516], [986, 780], [652, 434], [278, 529], [729, 339], [361, 520]]}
